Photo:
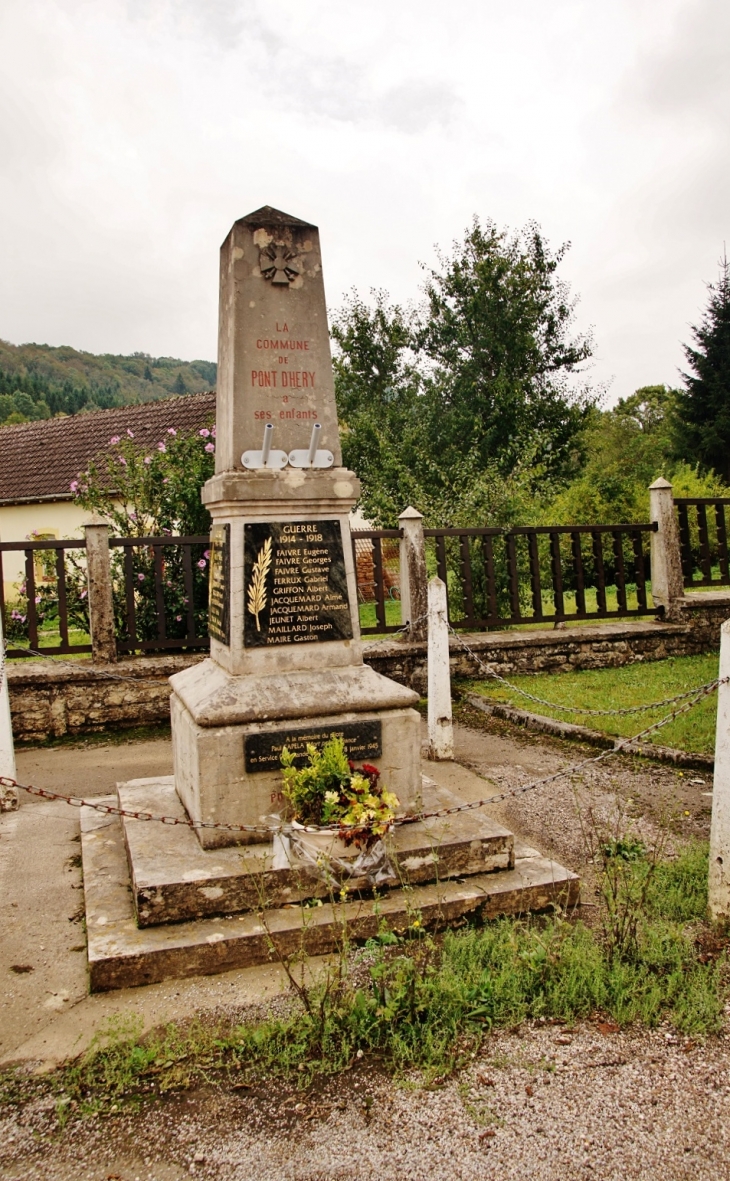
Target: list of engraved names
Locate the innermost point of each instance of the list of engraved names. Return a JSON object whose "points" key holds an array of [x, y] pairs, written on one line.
{"points": [[295, 583]]}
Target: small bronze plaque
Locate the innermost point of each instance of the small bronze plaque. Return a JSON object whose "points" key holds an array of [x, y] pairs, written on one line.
{"points": [[262, 752], [219, 592], [295, 585]]}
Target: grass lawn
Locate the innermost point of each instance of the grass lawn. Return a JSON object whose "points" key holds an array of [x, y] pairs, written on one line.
{"points": [[617, 688], [50, 637], [368, 618]]}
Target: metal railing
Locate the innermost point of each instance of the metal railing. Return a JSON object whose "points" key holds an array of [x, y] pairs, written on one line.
{"points": [[494, 578], [161, 593], [541, 574], [377, 568], [50, 600], [703, 540]]}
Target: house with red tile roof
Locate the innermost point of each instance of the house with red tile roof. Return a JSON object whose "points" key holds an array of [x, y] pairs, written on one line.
{"points": [[40, 460]]}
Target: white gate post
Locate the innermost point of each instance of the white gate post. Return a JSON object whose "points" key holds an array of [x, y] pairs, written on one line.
{"points": [[7, 750], [667, 579], [440, 729], [413, 576], [719, 874]]}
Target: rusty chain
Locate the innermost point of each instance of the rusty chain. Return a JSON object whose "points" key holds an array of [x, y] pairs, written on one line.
{"points": [[572, 709], [439, 813]]}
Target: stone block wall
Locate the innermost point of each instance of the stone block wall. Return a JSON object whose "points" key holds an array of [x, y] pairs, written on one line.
{"points": [[49, 699], [607, 645]]}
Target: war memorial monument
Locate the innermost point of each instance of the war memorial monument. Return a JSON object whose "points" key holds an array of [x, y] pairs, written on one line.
{"points": [[285, 669]]}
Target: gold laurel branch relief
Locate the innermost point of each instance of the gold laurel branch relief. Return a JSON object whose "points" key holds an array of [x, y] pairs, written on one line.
{"points": [[257, 595]]}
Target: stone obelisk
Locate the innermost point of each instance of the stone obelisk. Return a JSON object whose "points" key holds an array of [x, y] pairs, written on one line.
{"points": [[286, 663]]}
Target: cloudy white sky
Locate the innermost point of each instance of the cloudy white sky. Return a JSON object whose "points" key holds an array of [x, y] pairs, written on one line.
{"points": [[134, 132]]}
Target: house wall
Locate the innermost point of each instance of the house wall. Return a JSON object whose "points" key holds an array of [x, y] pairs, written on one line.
{"points": [[61, 518]]}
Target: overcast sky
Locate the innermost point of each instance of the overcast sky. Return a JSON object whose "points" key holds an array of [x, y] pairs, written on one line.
{"points": [[134, 132]]}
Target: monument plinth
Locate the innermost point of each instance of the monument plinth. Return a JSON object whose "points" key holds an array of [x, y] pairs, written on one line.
{"points": [[286, 657]]}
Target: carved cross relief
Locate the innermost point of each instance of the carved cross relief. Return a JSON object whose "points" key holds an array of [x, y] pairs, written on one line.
{"points": [[279, 263]]}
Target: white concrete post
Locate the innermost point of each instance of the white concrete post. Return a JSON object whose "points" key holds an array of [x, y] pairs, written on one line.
{"points": [[719, 874], [99, 583], [413, 577], [440, 729], [7, 750], [667, 580]]}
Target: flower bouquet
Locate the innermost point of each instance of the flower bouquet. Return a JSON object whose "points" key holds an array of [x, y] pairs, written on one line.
{"points": [[329, 792]]}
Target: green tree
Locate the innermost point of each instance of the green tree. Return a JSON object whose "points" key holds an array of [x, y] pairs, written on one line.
{"points": [[462, 404], [503, 363], [24, 404], [179, 386], [377, 384], [626, 448], [152, 492], [149, 491], [704, 406]]}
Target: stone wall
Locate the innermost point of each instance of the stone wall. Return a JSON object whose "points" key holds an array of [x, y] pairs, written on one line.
{"points": [[566, 649], [49, 699]]}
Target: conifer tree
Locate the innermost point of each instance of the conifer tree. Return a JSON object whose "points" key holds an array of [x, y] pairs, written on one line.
{"points": [[703, 409]]}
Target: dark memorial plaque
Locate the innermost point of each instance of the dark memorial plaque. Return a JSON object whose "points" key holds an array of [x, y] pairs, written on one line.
{"points": [[219, 584], [262, 752], [295, 586]]}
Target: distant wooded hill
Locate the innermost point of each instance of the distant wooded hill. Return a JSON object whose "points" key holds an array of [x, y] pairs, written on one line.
{"points": [[39, 381]]}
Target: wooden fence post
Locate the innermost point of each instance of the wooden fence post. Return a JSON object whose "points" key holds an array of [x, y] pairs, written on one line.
{"points": [[413, 577], [99, 582], [719, 871], [667, 579], [440, 728]]}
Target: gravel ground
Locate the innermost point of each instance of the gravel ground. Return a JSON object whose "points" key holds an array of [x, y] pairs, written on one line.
{"points": [[622, 790], [540, 1103]]}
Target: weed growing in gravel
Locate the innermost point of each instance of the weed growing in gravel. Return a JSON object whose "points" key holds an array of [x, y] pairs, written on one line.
{"points": [[419, 1002]]}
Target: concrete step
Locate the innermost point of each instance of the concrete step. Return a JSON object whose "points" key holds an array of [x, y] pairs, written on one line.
{"points": [[122, 955], [174, 879]]}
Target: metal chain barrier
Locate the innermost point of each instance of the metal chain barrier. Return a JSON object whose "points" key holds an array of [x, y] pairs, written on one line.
{"points": [[689, 699], [572, 709], [571, 769]]}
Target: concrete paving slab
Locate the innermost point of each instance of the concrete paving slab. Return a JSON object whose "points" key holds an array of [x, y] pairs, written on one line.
{"points": [[92, 767], [76, 1028], [42, 942]]}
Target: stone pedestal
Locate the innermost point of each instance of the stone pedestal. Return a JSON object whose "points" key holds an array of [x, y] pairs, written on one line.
{"points": [[228, 733], [285, 662]]}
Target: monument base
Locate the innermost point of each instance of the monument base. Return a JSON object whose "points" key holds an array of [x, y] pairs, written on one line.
{"points": [[228, 732], [496, 878], [173, 879]]}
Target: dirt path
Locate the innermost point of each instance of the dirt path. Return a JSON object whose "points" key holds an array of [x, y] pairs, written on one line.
{"points": [[539, 1104], [550, 816]]}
